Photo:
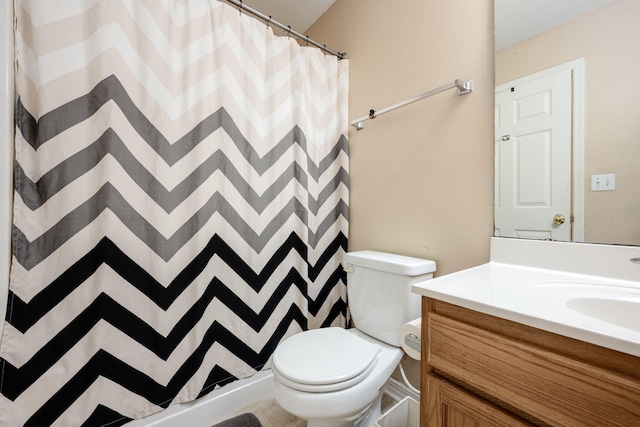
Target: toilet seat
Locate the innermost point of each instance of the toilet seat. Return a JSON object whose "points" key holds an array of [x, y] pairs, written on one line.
{"points": [[323, 360]]}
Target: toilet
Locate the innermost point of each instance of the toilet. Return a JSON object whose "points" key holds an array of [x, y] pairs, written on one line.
{"points": [[335, 377]]}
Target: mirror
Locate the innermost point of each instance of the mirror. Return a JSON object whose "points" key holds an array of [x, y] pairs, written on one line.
{"points": [[596, 41]]}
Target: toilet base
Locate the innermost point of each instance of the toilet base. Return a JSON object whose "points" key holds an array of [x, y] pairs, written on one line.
{"points": [[365, 419], [354, 406]]}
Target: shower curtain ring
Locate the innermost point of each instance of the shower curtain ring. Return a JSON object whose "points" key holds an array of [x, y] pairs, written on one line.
{"points": [[240, 8], [269, 21], [372, 114], [289, 31]]}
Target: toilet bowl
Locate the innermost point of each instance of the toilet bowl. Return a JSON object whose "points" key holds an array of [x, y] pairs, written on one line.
{"points": [[339, 385], [335, 377]]}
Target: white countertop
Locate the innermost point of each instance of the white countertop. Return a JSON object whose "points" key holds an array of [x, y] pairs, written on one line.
{"points": [[536, 297]]}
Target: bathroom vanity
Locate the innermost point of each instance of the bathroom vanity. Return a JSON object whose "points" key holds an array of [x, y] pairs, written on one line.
{"points": [[534, 337]]}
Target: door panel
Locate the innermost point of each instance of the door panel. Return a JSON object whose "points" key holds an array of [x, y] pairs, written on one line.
{"points": [[533, 158]]}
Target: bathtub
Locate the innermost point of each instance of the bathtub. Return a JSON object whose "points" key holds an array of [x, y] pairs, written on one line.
{"points": [[216, 406]]}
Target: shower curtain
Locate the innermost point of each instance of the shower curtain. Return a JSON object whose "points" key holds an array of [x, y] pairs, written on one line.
{"points": [[181, 205]]}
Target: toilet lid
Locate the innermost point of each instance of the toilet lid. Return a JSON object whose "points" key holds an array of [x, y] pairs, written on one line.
{"points": [[326, 358]]}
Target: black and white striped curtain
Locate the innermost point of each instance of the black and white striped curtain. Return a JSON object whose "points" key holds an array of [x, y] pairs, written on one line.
{"points": [[180, 207]]}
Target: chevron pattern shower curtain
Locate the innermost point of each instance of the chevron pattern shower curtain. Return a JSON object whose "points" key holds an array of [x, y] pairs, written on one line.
{"points": [[181, 205]]}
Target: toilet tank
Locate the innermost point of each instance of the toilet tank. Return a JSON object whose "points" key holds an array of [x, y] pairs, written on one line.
{"points": [[379, 291]]}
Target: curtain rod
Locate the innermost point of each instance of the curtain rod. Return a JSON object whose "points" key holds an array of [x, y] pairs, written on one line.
{"points": [[286, 28], [464, 87]]}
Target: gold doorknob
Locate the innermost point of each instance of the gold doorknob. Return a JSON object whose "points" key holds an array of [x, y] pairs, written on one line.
{"points": [[558, 219]]}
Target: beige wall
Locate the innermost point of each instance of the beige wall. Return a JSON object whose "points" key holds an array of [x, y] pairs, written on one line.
{"points": [[608, 40], [421, 176]]}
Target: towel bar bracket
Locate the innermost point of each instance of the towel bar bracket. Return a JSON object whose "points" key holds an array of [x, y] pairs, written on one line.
{"points": [[464, 87]]}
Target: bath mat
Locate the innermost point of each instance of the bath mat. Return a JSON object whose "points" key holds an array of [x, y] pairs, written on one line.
{"points": [[244, 420]]}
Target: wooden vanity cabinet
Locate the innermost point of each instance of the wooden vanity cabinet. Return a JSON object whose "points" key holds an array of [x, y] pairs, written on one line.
{"points": [[479, 370]]}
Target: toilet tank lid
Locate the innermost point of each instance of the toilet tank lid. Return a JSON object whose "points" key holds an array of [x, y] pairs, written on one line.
{"points": [[391, 263]]}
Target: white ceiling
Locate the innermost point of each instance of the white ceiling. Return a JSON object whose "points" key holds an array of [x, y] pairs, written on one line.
{"points": [[299, 14], [515, 20]]}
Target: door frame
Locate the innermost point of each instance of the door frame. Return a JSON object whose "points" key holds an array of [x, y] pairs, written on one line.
{"points": [[577, 135]]}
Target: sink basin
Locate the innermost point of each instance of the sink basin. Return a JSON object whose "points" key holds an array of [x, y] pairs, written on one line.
{"points": [[617, 312], [612, 303]]}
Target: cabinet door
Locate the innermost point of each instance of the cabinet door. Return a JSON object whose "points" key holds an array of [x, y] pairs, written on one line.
{"points": [[450, 406], [550, 387]]}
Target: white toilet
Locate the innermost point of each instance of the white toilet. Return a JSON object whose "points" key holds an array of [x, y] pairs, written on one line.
{"points": [[334, 377]]}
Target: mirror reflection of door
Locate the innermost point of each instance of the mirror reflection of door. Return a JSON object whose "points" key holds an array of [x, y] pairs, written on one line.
{"points": [[533, 157]]}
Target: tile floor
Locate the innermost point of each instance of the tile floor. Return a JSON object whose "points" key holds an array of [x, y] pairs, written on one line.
{"points": [[271, 414]]}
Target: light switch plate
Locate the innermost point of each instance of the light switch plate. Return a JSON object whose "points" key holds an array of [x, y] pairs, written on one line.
{"points": [[603, 182]]}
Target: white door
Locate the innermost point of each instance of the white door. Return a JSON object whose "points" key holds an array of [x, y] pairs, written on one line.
{"points": [[533, 159]]}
